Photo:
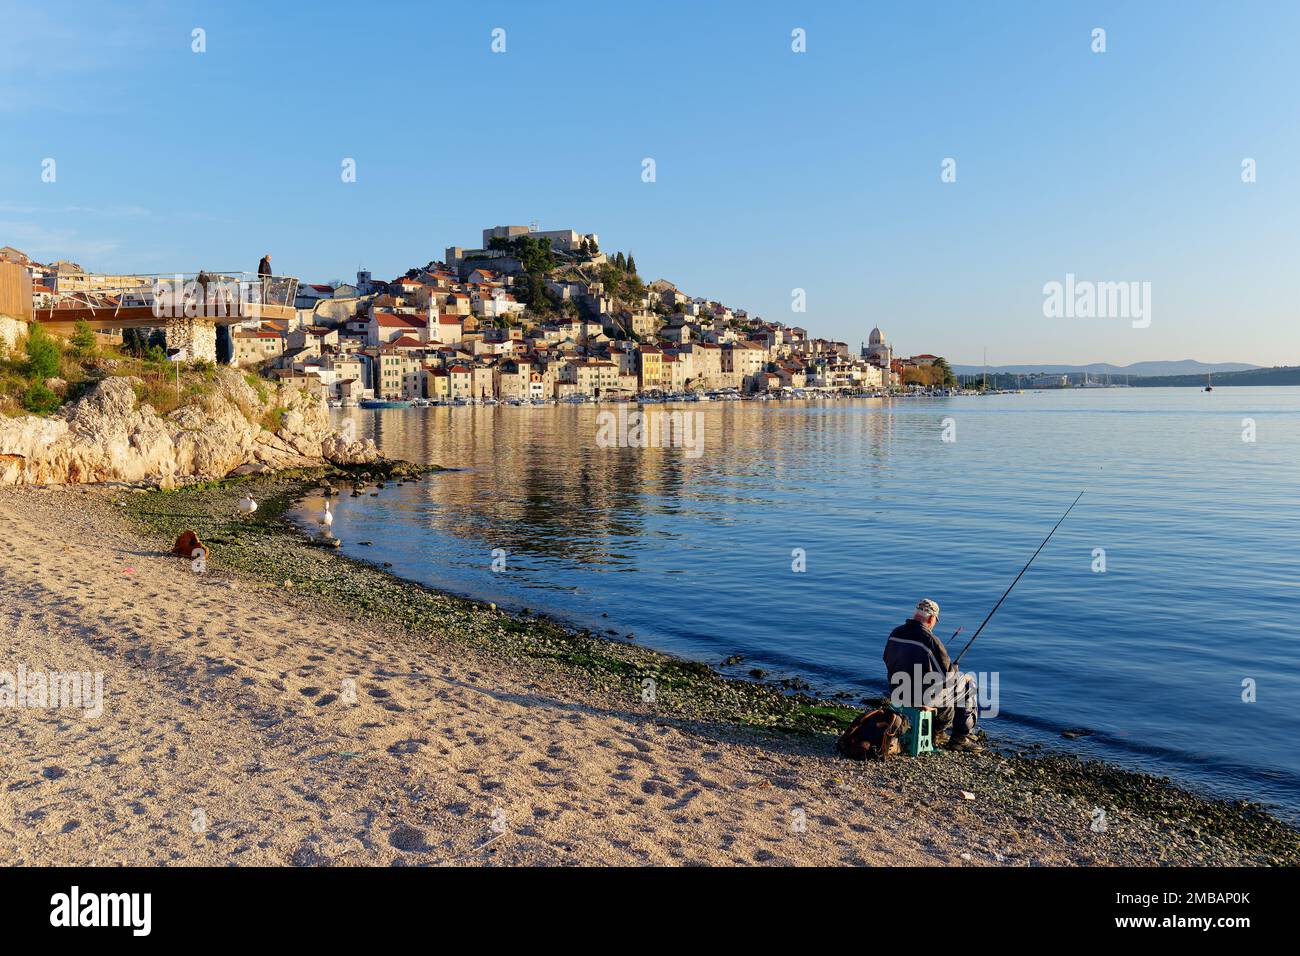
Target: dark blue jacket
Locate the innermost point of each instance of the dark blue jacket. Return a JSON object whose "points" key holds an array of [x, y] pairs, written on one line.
{"points": [[913, 644]]}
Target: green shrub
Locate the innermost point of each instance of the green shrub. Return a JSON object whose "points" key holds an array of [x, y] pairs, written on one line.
{"points": [[42, 354], [83, 340], [39, 399]]}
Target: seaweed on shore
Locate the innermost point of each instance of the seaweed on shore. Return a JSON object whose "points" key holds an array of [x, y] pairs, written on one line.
{"points": [[269, 546]]}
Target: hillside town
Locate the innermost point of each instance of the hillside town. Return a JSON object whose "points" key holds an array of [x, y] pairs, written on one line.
{"points": [[534, 316]]}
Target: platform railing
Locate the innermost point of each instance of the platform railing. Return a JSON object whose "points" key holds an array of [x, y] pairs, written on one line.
{"points": [[214, 295]]}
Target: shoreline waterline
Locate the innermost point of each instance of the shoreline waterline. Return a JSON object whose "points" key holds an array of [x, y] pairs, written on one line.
{"points": [[1008, 734], [697, 694], [806, 532]]}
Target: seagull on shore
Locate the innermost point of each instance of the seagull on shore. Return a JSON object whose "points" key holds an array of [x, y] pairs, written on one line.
{"points": [[247, 505], [327, 519]]}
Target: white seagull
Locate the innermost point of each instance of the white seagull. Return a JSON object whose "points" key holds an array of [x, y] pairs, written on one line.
{"points": [[247, 505], [327, 519]]}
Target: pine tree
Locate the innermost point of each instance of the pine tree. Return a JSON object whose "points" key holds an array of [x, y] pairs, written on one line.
{"points": [[83, 339], [631, 264]]}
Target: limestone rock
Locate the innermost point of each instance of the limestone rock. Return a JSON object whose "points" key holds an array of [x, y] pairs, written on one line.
{"points": [[109, 435], [339, 451]]}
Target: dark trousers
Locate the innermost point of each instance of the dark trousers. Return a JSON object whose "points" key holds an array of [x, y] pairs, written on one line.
{"points": [[959, 709]]}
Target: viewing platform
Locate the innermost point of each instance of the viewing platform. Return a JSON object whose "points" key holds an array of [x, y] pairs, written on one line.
{"points": [[187, 306], [150, 301]]}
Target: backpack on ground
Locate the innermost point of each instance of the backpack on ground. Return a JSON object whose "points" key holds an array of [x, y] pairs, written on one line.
{"points": [[873, 734]]}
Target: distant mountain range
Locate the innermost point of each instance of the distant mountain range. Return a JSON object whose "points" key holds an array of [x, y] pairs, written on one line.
{"points": [[1281, 375], [1137, 369]]}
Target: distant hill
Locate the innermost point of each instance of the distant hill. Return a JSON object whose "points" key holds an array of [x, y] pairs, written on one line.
{"points": [[1181, 367], [1279, 375]]}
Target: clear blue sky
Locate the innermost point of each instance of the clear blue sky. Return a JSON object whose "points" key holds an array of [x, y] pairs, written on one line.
{"points": [[775, 170]]}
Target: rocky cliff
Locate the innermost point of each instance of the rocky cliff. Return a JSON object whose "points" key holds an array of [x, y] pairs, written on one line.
{"points": [[110, 435]]}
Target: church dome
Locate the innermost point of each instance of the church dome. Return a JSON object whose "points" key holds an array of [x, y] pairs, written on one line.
{"points": [[877, 337]]}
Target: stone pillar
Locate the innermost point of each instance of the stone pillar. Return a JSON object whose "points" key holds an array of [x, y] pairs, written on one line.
{"points": [[197, 336]]}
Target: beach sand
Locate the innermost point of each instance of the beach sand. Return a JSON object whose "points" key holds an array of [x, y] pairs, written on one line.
{"points": [[231, 735]]}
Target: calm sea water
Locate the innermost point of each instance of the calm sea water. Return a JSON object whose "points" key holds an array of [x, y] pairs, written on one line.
{"points": [[694, 555]]}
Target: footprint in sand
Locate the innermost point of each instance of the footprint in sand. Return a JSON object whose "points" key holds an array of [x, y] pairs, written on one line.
{"points": [[307, 856], [408, 839], [410, 746]]}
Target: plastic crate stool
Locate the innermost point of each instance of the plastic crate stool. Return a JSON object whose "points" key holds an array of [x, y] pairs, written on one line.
{"points": [[919, 738]]}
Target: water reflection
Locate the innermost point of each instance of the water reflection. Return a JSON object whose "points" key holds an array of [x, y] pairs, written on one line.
{"points": [[534, 481]]}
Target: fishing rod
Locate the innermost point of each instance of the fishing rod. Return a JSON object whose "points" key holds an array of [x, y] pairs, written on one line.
{"points": [[1013, 583]]}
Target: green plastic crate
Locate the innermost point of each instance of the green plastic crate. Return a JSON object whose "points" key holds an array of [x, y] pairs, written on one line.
{"points": [[919, 738]]}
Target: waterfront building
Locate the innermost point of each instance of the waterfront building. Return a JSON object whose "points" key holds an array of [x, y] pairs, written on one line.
{"points": [[880, 354]]}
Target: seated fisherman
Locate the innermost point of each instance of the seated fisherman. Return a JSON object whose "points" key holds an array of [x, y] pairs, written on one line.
{"points": [[922, 675]]}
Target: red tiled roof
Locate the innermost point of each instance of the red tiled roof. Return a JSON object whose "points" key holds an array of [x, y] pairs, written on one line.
{"points": [[254, 334], [393, 321]]}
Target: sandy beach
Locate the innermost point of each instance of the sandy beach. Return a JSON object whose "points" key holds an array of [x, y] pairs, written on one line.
{"points": [[249, 723]]}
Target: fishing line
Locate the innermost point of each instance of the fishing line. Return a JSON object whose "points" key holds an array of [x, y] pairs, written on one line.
{"points": [[1018, 577]]}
